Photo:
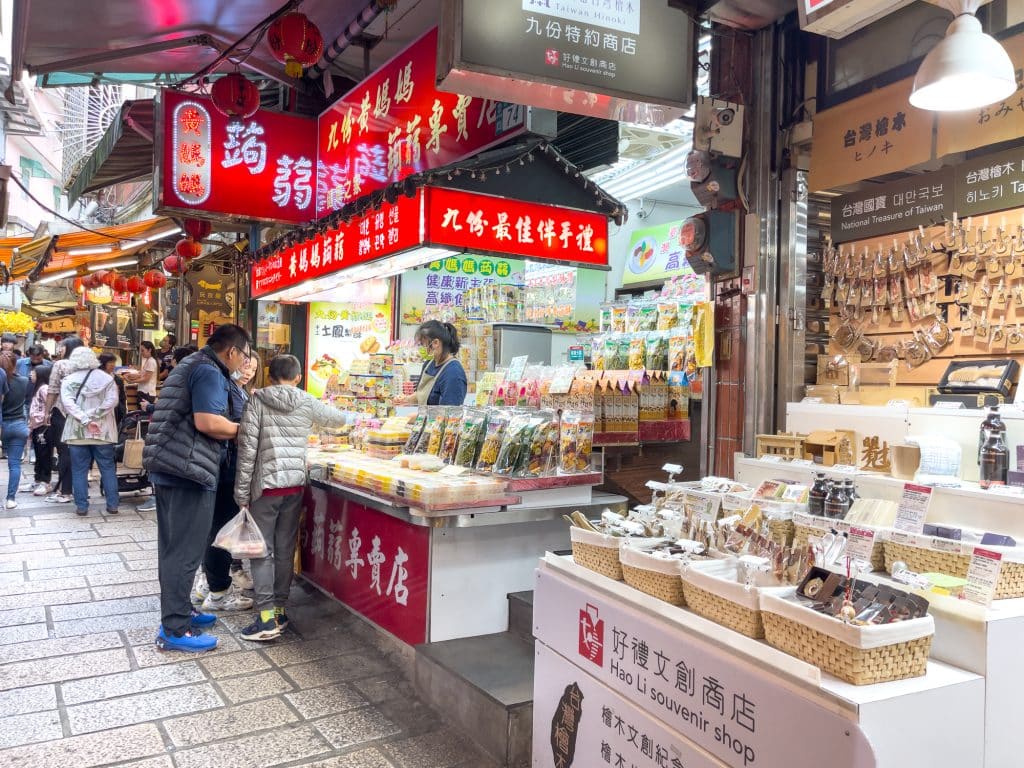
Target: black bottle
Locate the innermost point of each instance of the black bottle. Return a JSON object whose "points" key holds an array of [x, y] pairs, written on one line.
{"points": [[816, 496], [992, 423], [995, 459], [835, 501]]}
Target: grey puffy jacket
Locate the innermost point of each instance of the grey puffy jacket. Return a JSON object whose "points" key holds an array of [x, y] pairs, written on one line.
{"points": [[272, 439]]}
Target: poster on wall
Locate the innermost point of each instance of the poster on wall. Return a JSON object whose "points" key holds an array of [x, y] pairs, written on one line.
{"points": [[211, 301], [439, 290], [565, 298], [341, 333], [655, 255]]}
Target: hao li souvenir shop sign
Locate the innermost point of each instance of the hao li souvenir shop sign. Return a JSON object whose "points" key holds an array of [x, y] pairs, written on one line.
{"points": [[396, 123], [261, 168]]}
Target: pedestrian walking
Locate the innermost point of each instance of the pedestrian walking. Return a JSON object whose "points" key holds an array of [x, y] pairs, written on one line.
{"points": [[56, 417], [15, 425], [42, 435]]}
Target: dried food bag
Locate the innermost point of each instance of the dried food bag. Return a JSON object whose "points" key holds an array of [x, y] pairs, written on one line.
{"points": [[676, 353], [538, 459], [605, 315], [633, 318], [637, 353], [417, 430], [241, 537], [703, 336], [668, 315], [450, 442], [433, 430], [648, 318], [576, 441], [597, 354], [657, 352], [494, 433], [471, 435], [512, 444], [618, 318]]}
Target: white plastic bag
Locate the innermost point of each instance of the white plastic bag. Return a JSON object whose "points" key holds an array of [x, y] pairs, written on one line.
{"points": [[241, 537]]}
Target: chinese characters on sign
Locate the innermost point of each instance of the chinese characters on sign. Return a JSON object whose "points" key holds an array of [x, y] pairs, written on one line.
{"points": [[375, 564], [261, 168], [498, 225], [990, 183], [436, 292], [335, 333], [211, 300], [396, 123], [903, 205]]}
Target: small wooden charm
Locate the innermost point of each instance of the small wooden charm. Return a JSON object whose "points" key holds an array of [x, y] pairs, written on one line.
{"points": [[876, 457]]}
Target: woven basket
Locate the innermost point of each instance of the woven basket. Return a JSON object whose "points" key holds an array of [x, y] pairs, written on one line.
{"points": [[660, 585], [721, 611], [596, 552], [928, 560], [860, 666], [802, 532]]}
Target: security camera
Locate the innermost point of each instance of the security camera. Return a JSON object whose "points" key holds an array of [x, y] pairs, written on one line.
{"points": [[725, 115]]}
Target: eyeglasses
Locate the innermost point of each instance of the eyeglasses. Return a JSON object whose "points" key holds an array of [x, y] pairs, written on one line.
{"points": [[246, 353]]}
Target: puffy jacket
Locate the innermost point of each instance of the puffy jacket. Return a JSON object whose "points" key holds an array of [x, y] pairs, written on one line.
{"points": [[173, 444], [272, 439], [89, 397]]}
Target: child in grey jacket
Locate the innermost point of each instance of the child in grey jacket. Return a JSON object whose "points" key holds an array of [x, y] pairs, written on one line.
{"points": [[272, 439]]}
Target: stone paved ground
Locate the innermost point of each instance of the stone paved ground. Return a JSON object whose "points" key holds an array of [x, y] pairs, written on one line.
{"points": [[81, 683]]}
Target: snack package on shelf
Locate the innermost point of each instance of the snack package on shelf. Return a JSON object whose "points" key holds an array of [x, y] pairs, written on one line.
{"points": [[494, 434], [576, 442], [474, 424], [538, 459], [437, 419], [519, 431], [450, 442]]}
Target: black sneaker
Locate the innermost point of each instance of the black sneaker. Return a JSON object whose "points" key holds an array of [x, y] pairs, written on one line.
{"points": [[261, 630]]}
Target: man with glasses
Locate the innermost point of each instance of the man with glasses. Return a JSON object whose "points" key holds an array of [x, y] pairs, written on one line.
{"points": [[185, 448]]}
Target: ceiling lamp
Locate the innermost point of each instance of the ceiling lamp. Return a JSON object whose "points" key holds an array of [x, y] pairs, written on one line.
{"points": [[235, 96], [296, 42], [967, 69]]}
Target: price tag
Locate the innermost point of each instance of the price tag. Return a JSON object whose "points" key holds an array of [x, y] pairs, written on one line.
{"points": [[860, 543], [516, 368], [947, 405], [452, 471], [847, 468], [576, 353], [898, 404], [1006, 490], [946, 545], [898, 537], [913, 508], [654, 485], [982, 576], [802, 463], [672, 469], [812, 400], [772, 459], [704, 506]]}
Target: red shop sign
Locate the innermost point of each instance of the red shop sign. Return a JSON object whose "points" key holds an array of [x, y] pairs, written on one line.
{"points": [[396, 123], [395, 227], [261, 168], [376, 564], [464, 220]]}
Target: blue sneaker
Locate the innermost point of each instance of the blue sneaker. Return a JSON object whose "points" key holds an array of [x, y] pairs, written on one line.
{"points": [[192, 641], [203, 619]]}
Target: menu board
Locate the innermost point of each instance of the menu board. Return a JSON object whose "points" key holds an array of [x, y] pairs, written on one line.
{"points": [[341, 333], [112, 327]]}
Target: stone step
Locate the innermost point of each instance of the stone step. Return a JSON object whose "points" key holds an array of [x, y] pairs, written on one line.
{"points": [[520, 615], [484, 687]]}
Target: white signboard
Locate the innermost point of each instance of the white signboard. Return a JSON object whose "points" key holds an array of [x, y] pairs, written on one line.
{"points": [[728, 707], [580, 722], [623, 16], [913, 508]]}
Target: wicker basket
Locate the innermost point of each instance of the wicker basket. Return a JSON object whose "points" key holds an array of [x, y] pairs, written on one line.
{"points": [[922, 558], [597, 552], [858, 655], [654, 576], [708, 589], [805, 526]]}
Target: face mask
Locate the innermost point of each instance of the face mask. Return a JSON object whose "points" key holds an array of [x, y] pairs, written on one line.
{"points": [[236, 375]]}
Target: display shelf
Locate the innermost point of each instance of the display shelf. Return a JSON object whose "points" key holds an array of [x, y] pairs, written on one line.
{"points": [[675, 431], [524, 484], [607, 439]]}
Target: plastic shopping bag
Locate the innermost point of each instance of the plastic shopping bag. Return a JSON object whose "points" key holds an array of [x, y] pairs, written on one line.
{"points": [[241, 537]]}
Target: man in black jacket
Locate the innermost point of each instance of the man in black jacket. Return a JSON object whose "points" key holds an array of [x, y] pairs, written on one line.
{"points": [[183, 455]]}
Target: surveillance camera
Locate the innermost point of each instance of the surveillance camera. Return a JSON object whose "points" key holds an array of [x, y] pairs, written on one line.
{"points": [[725, 116]]}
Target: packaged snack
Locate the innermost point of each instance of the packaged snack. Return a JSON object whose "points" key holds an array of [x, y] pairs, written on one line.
{"points": [[474, 423], [429, 441], [497, 424], [597, 354], [576, 442], [605, 318], [677, 353], [618, 318], [648, 318], [519, 430], [417, 430], [668, 315], [537, 459], [637, 353], [450, 442], [657, 352]]}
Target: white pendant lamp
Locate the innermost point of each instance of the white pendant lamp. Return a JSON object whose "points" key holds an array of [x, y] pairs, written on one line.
{"points": [[967, 70]]}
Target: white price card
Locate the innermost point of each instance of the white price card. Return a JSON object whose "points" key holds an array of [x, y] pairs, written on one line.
{"points": [[848, 468], [453, 471], [982, 576], [1006, 490], [516, 368], [948, 405], [771, 459], [802, 463], [946, 545], [860, 543], [913, 508]]}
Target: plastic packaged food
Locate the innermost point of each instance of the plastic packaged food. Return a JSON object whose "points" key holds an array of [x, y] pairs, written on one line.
{"points": [[474, 422], [417, 430], [450, 441], [538, 459], [497, 424], [668, 315], [435, 439], [677, 353], [520, 430], [656, 353], [618, 318], [637, 353], [576, 443], [597, 354], [432, 431]]}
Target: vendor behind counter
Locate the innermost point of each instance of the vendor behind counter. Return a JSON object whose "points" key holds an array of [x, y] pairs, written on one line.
{"points": [[443, 379]]}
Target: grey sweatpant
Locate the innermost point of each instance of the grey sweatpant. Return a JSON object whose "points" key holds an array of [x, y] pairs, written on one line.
{"points": [[278, 521]]}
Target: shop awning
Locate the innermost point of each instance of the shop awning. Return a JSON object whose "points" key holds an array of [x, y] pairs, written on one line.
{"points": [[124, 153]]}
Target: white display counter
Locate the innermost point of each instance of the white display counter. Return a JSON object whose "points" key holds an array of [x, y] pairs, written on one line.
{"points": [[623, 675]]}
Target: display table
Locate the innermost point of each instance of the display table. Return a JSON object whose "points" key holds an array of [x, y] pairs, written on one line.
{"points": [[625, 679], [427, 576]]}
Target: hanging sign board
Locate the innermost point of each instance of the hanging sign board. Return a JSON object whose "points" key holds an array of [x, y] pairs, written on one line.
{"points": [[870, 136], [261, 168], [396, 123], [990, 183], [655, 254], [924, 200], [621, 61]]}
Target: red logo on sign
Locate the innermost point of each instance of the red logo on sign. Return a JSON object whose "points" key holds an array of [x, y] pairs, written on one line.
{"points": [[592, 635], [552, 57]]}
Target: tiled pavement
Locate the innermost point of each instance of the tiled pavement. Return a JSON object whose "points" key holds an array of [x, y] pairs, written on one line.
{"points": [[81, 683]]}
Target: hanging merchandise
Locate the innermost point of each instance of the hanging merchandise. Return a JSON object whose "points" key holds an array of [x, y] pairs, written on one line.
{"points": [[704, 334], [236, 97], [296, 42]]}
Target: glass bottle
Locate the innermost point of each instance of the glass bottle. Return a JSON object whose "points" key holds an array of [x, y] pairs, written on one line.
{"points": [[816, 496], [851, 494], [995, 459], [992, 423], [835, 501]]}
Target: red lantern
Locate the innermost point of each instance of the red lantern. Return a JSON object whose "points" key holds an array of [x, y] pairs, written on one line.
{"points": [[296, 42], [198, 229], [175, 264], [188, 249], [136, 284], [119, 284], [236, 97], [154, 278]]}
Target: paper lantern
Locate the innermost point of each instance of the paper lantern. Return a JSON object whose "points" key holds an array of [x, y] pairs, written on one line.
{"points": [[236, 97], [89, 281], [136, 284], [175, 264], [198, 229], [296, 42], [102, 277], [188, 249], [119, 284], [154, 278]]}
